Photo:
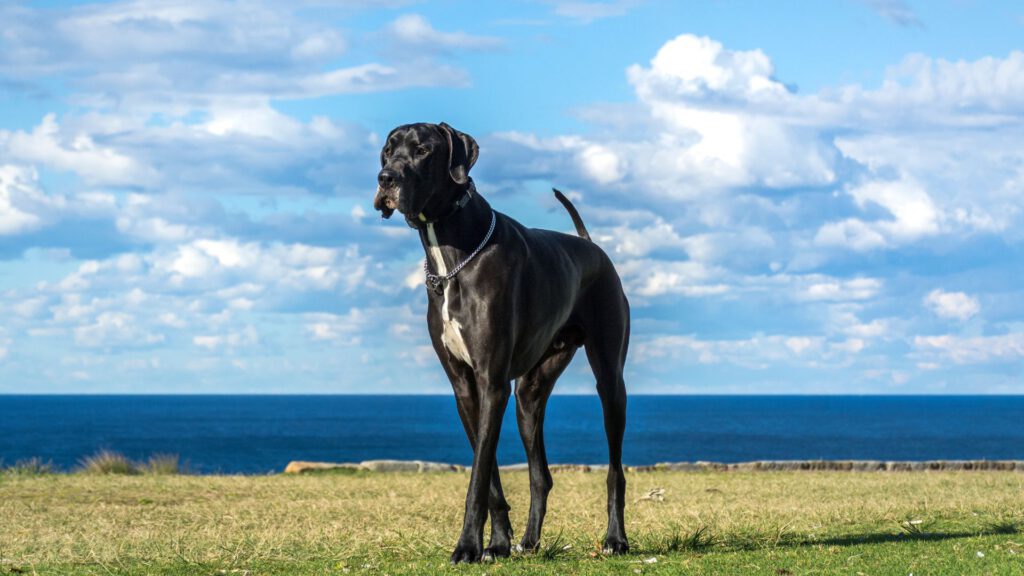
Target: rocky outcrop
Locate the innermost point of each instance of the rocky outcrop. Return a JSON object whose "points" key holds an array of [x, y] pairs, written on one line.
{"points": [[408, 466], [840, 465], [299, 467]]}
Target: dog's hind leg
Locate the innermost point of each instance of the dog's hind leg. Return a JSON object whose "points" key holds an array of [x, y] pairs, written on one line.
{"points": [[606, 345], [532, 392]]}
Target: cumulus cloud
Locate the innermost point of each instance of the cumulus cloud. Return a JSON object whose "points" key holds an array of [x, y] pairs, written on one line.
{"points": [[654, 278], [816, 287], [763, 183], [20, 199], [912, 212], [699, 92], [235, 147], [957, 305], [77, 153], [631, 241], [922, 91], [717, 119], [118, 329]]}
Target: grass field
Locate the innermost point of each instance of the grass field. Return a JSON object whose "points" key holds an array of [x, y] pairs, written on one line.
{"points": [[775, 523]]}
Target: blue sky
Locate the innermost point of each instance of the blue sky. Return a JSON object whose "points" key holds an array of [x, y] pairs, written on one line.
{"points": [[801, 197]]}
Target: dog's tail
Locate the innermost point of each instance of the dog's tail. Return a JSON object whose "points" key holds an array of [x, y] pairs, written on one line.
{"points": [[581, 230]]}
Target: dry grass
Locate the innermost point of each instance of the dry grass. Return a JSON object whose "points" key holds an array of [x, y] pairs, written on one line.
{"points": [[107, 462], [162, 464], [30, 467], [406, 523]]}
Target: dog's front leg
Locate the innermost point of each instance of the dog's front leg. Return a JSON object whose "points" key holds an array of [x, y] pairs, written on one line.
{"points": [[493, 400]]}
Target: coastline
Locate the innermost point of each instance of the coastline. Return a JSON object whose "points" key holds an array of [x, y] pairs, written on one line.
{"points": [[422, 466]]}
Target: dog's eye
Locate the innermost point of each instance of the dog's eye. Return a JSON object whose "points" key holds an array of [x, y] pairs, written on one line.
{"points": [[422, 150], [387, 150]]}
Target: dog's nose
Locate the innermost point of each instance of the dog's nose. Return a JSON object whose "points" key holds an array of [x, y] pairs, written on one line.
{"points": [[386, 178]]}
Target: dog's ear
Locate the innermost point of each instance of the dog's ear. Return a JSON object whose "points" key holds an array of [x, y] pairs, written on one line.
{"points": [[462, 153]]}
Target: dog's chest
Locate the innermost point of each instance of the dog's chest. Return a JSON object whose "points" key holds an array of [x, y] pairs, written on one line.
{"points": [[451, 329]]}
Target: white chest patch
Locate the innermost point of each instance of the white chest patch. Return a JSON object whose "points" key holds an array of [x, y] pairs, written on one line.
{"points": [[451, 331]]}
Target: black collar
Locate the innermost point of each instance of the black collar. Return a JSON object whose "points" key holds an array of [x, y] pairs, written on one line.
{"points": [[456, 206]]}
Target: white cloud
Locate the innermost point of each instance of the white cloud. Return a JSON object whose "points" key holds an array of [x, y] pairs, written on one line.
{"points": [[757, 352], [223, 262], [414, 31], [650, 278], [343, 329], [600, 164], [632, 242], [875, 329], [207, 32], [914, 212], [727, 100], [976, 92], [956, 305], [171, 58], [933, 152], [850, 233], [818, 288], [914, 216], [895, 11], [75, 153], [800, 344], [247, 336], [973, 350], [20, 200], [697, 67], [115, 329], [585, 12]]}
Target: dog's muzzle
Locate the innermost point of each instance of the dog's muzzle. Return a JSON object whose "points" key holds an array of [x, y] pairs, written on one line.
{"points": [[386, 200]]}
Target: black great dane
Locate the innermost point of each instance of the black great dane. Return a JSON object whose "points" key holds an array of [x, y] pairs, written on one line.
{"points": [[507, 302]]}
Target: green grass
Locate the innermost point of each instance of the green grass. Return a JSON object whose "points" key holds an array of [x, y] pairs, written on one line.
{"points": [[774, 523]]}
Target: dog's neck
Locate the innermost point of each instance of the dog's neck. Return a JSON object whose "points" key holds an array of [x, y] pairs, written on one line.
{"points": [[456, 236]]}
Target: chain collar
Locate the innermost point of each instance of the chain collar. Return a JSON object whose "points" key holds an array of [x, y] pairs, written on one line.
{"points": [[437, 283]]}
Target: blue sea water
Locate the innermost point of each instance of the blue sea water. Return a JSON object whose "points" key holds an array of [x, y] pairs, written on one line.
{"points": [[259, 434]]}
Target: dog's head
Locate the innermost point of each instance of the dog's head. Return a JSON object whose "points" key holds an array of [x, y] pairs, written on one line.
{"points": [[424, 169]]}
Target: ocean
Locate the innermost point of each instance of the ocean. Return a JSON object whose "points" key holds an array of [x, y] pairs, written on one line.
{"points": [[261, 434]]}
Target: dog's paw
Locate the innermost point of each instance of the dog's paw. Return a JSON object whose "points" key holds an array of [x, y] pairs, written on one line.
{"points": [[496, 551], [500, 545], [468, 552], [527, 546], [615, 545]]}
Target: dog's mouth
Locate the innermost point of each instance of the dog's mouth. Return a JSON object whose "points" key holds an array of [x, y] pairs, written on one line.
{"points": [[386, 201]]}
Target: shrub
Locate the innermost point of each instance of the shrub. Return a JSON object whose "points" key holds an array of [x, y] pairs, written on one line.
{"points": [[108, 462], [162, 465], [30, 467]]}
